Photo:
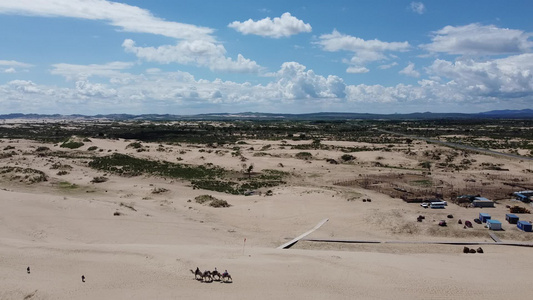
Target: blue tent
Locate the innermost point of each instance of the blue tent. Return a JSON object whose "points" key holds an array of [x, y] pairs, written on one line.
{"points": [[524, 225], [484, 217], [511, 218]]}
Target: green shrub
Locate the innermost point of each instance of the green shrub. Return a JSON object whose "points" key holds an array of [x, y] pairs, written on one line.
{"points": [[347, 157], [99, 179], [42, 148], [71, 145], [304, 155], [134, 145]]}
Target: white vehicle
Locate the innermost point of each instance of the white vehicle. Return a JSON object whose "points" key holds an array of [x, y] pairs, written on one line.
{"points": [[437, 204], [424, 205]]}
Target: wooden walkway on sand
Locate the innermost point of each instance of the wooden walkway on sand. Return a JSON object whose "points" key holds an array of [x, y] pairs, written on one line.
{"points": [[494, 237], [289, 244], [347, 241]]}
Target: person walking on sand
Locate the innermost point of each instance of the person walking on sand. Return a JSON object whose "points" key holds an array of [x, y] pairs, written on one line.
{"points": [[82, 278], [28, 270]]}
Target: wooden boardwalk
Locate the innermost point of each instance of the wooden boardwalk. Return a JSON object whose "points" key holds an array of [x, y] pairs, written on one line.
{"points": [[347, 241], [494, 237], [289, 244]]}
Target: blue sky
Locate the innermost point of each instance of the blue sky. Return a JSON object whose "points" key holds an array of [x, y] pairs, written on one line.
{"points": [[188, 57]]}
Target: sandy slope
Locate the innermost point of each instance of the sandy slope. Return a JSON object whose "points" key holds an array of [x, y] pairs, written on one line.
{"points": [[63, 234]]}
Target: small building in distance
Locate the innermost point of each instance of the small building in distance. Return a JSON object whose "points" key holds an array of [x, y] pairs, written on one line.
{"points": [[484, 217], [524, 196], [524, 225], [482, 202], [494, 225], [511, 218]]}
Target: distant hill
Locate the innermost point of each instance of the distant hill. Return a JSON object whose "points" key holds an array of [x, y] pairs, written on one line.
{"points": [[495, 114]]}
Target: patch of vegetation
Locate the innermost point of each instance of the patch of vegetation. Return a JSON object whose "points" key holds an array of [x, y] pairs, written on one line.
{"points": [[303, 155], [71, 144], [61, 173], [42, 149], [347, 157], [99, 179], [422, 182], [6, 155], [260, 154], [425, 165], [60, 166], [211, 201], [67, 185], [219, 203], [201, 177], [92, 148], [134, 145], [127, 165], [24, 174], [159, 190]]}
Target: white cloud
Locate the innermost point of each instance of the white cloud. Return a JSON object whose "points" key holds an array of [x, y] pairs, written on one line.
{"points": [[195, 44], [284, 26], [388, 66], [418, 7], [365, 51], [294, 82], [476, 39], [126, 17], [410, 70], [199, 52], [82, 72], [13, 63], [292, 88], [509, 77], [357, 70]]}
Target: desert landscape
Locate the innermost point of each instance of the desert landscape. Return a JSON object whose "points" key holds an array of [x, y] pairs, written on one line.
{"points": [[135, 206]]}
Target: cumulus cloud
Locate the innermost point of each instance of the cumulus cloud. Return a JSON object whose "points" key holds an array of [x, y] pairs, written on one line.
{"points": [[126, 17], [198, 52], [418, 7], [294, 82], [365, 51], [509, 77], [476, 39], [284, 26], [452, 84], [410, 70]]}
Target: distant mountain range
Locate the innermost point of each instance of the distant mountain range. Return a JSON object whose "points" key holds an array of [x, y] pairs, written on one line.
{"points": [[494, 114]]}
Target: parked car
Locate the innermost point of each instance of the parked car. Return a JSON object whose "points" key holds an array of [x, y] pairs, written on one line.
{"points": [[424, 205]]}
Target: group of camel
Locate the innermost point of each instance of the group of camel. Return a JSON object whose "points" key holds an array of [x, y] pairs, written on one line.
{"points": [[209, 276]]}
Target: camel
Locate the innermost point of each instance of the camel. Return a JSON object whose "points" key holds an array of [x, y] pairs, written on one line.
{"points": [[206, 276], [216, 275], [226, 277], [197, 274]]}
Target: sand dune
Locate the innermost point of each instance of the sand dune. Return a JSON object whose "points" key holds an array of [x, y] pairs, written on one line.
{"points": [[63, 232]]}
